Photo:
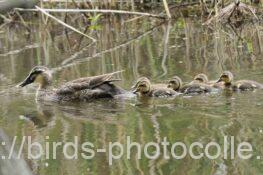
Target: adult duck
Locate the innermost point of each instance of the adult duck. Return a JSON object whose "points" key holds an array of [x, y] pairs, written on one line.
{"points": [[82, 89]]}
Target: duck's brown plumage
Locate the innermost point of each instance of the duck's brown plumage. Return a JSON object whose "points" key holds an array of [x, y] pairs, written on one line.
{"points": [[101, 81]]}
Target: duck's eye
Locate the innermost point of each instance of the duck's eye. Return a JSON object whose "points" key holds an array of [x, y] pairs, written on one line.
{"points": [[199, 79], [142, 85], [33, 77]]}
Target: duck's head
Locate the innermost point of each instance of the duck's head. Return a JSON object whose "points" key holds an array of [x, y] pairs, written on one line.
{"points": [[40, 75], [143, 86], [201, 78], [175, 83], [226, 77], [237, 2]]}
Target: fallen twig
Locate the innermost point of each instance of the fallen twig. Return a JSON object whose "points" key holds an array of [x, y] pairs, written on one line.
{"points": [[93, 11], [64, 24], [13, 52]]}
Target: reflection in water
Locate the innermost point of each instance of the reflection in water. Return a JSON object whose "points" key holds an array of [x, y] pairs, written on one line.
{"points": [[182, 47]]}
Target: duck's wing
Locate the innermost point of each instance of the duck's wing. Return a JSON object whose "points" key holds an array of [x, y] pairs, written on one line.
{"points": [[87, 83]]}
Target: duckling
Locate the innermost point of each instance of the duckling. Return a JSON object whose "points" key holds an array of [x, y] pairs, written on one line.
{"points": [[144, 88], [227, 78], [175, 83], [203, 78], [191, 88], [87, 88], [200, 78]]}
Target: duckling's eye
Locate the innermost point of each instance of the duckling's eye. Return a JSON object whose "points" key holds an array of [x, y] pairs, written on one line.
{"points": [[199, 79], [142, 85]]}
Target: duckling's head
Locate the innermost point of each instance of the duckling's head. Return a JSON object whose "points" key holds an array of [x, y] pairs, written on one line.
{"points": [[40, 75], [226, 77], [201, 78], [143, 86], [175, 83]]}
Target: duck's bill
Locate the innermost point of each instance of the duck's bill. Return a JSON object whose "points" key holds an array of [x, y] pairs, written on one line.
{"points": [[27, 81], [219, 80], [134, 90]]}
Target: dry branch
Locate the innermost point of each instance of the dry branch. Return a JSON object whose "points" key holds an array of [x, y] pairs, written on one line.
{"points": [[166, 7], [13, 52], [64, 24], [93, 11]]}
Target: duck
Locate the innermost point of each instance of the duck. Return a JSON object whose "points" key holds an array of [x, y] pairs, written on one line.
{"points": [[244, 85], [200, 78], [191, 88], [82, 89], [175, 83], [144, 88], [203, 78]]}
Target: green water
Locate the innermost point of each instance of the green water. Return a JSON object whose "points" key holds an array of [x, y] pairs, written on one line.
{"points": [[183, 47]]}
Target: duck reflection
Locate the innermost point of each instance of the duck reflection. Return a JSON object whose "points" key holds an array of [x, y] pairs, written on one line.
{"points": [[47, 112]]}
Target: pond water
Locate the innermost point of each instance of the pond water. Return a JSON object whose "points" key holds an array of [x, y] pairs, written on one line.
{"points": [[141, 47]]}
